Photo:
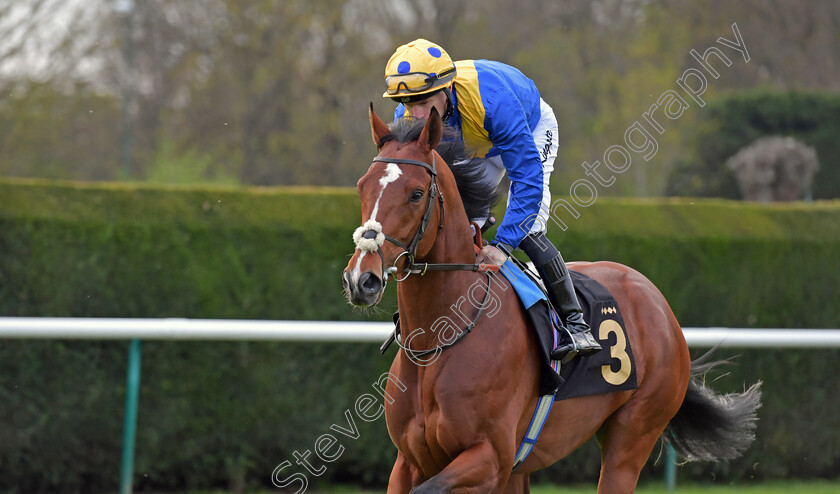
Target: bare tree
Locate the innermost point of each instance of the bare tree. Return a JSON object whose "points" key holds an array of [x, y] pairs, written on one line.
{"points": [[774, 169], [45, 40]]}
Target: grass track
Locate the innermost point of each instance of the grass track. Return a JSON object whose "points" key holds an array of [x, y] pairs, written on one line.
{"points": [[802, 487], [797, 487]]}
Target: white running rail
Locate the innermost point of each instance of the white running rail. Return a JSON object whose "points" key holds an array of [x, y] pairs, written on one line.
{"points": [[343, 331], [137, 330]]}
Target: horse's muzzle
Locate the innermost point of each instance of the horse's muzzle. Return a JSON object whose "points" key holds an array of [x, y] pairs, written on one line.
{"points": [[366, 291]]}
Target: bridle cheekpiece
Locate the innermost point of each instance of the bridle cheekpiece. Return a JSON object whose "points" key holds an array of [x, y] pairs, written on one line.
{"points": [[410, 250]]}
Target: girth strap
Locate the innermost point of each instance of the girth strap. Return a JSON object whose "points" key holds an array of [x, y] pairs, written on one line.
{"points": [[535, 427]]}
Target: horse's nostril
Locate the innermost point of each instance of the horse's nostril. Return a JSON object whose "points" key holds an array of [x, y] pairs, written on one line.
{"points": [[370, 283], [345, 281]]}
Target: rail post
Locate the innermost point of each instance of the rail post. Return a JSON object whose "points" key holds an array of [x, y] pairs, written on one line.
{"points": [[132, 395], [670, 468]]}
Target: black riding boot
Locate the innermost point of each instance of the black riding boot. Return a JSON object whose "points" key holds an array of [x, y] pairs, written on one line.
{"points": [[577, 339], [580, 341]]}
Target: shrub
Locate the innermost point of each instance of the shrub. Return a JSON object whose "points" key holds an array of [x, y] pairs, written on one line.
{"points": [[216, 414]]}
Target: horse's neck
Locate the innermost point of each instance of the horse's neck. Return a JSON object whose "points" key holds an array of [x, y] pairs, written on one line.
{"points": [[425, 301]]}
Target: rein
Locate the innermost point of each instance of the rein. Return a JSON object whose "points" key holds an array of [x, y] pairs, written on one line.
{"points": [[373, 233], [370, 238], [422, 353], [432, 193]]}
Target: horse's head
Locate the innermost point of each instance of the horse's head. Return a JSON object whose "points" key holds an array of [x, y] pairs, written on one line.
{"points": [[400, 198]]}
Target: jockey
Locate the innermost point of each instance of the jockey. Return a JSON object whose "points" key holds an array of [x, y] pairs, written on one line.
{"points": [[500, 116]]}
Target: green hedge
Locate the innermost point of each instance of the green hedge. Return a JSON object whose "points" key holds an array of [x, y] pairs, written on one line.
{"points": [[226, 414], [735, 120]]}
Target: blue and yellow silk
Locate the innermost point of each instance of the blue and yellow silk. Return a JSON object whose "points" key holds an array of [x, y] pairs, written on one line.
{"points": [[496, 109]]}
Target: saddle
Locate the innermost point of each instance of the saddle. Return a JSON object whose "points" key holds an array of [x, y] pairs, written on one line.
{"points": [[611, 369]]}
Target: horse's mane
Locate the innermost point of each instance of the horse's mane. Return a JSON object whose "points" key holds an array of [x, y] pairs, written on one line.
{"points": [[478, 193]]}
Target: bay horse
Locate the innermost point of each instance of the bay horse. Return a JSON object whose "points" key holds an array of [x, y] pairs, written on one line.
{"points": [[461, 411]]}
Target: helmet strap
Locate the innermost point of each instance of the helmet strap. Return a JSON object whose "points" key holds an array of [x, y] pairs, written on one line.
{"points": [[450, 108]]}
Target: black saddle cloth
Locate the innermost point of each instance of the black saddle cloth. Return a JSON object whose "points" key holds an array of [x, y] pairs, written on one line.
{"points": [[611, 369]]}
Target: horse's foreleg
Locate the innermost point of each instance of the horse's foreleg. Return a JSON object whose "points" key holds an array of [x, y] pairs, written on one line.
{"points": [[403, 477], [475, 470]]}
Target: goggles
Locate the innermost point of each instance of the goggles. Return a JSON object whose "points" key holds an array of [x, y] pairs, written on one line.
{"points": [[416, 82]]}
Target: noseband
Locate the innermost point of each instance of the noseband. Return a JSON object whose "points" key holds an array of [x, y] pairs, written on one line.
{"points": [[410, 251], [370, 237]]}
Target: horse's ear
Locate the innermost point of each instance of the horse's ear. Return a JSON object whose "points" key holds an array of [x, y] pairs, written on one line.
{"points": [[378, 128], [432, 132]]}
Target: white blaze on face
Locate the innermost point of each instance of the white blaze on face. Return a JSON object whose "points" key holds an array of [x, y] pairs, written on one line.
{"points": [[392, 173]]}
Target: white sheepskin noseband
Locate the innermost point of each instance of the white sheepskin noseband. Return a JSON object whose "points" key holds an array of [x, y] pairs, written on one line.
{"points": [[369, 244]]}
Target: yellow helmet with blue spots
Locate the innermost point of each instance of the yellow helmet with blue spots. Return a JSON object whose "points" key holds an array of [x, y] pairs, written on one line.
{"points": [[417, 68]]}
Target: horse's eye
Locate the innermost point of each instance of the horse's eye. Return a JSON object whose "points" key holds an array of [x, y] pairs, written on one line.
{"points": [[416, 196]]}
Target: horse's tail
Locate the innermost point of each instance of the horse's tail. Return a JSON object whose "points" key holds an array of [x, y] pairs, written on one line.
{"points": [[712, 427]]}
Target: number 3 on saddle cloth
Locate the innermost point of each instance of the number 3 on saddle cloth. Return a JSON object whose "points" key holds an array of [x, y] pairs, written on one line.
{"points": [[608, 370]]}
